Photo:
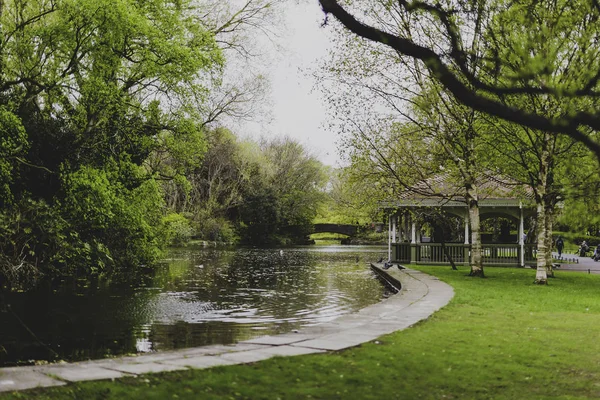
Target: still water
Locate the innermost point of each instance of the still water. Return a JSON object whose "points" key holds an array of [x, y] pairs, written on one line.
{"points": [[196, 297]]}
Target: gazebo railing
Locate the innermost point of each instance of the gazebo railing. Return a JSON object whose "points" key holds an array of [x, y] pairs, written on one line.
{"points": [[433, 253], [507, 254], [530, 254], [401, 252], [500, 254]]}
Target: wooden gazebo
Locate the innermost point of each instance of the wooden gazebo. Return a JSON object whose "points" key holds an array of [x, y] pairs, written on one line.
{"points": [[497, 198]]}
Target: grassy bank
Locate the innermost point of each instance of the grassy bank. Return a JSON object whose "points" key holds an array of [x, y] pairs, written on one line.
{"points": [[499, 338]]}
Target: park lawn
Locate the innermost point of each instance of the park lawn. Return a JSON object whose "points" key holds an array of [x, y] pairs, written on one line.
{"points": [[499, 338]]}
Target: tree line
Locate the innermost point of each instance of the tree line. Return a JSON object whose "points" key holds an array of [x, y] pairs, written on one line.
{"points": [[110, 142]]}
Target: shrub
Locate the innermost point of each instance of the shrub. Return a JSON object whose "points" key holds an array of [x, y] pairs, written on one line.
{"points": [[217, 229], [573, 240], [112, 224], [177, 230]]}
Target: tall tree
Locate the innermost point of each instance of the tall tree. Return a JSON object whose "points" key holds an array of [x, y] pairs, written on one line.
{"points": [[536, 160], [536, 157], [454, 129], [95, 85], [379, 84], [287, 197], [480, 80]]}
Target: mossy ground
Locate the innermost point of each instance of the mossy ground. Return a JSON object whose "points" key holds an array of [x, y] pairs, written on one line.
{"points": [[501, 337]]}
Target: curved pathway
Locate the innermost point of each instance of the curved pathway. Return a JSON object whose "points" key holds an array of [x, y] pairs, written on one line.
{"points": [[577, 263], [419, 297]]}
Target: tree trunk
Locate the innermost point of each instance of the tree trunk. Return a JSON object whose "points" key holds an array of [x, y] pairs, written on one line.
{"points": [[541, 276], [446, 252], [474, 222], [549, 217]]}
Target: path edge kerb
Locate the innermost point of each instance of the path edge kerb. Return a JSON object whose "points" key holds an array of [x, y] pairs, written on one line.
{"points": [[416, 288], [419, 297]]}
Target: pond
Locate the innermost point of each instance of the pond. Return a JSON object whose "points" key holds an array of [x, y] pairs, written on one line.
{"points": [[196, 297]]}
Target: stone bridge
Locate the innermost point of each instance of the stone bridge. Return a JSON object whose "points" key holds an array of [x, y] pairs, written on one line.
{"points": [[349, 230]]}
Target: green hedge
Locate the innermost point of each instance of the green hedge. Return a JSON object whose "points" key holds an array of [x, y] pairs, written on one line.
{"points": [[574, 239]]}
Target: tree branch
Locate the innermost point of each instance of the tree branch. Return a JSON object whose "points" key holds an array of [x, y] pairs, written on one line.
{"points": [[567, 124]]}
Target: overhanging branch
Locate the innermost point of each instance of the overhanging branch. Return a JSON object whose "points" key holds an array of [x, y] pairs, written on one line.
{"points": [[569, 125]]}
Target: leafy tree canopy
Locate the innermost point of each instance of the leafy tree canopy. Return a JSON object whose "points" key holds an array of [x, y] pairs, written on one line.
{"points": [[91, 94]]}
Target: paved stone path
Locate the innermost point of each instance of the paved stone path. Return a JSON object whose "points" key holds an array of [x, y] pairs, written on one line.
{"points": [[420, 296], [582, 264]]}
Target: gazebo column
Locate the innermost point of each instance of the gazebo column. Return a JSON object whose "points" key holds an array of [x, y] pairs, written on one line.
{"points": [[399, 226], [394, 251], [413, 241], [467, 246], [389, 237], [406, 223], [521, 236]]}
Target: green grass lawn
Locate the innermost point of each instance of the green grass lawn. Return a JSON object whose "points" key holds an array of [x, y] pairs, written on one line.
{"points": [[499, 338]]}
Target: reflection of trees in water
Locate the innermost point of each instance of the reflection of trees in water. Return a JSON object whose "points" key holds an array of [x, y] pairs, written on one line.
{"points": [[281, 286], [197, 297], [302, 283], [289, 279], [182, 334], [348, 274], [71, 325]]}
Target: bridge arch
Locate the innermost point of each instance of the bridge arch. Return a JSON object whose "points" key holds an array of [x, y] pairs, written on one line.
{"points": [[343, 229]]}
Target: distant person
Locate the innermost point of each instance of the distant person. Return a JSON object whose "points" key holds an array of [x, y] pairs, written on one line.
{"points": [[596, 255], [559, 246], [584, 248]]}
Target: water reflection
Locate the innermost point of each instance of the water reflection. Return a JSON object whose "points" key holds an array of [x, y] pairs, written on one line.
{"points": [[197, 297]]}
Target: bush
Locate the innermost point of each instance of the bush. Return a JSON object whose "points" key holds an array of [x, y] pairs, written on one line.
{"points": [[32, 236], [575, 239], [111, 224], [215, 229], [177, 230]]}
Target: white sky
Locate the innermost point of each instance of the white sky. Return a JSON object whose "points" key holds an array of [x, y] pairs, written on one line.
{"points": [[298, 110]]}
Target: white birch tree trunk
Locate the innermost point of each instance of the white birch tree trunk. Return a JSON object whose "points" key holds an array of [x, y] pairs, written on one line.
{"points": [[474, 221], [549, 218], [541, 275]]}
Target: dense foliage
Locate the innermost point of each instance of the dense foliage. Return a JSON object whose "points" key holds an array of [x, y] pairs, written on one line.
{"points": [[82, 87], [256, 193], [106, 155], [283, 201]]}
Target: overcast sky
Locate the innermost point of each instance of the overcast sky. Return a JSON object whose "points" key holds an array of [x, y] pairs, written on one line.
{"points": [[297, 108]]}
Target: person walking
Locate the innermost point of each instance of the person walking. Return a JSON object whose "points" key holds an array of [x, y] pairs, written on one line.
{"points": [[584, 248], [559, 246], [596, 255]]}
